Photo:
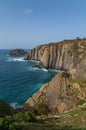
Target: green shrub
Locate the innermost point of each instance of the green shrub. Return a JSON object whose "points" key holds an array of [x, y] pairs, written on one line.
{"points": [[65, 75], [69, 86], [18, 116], [4, 124], [30, 116], [81, 102], [41, 109], [15, 127]]}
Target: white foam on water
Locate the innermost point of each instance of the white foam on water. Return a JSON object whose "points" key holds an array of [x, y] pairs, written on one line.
{"points": [[34, 61], [33, 69], [15, 105], [15, 59], [37, 69], [44, 69], [54, 70], [18, 59]]}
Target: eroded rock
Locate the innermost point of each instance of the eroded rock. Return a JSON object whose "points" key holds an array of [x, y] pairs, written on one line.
{"points": [[17, 52]]}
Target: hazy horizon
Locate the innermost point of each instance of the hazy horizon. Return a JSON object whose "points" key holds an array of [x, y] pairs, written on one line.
{"points": [[28, 23]]}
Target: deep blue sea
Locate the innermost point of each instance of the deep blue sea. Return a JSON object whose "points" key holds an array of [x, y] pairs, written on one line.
{"points": [[19, 80]]}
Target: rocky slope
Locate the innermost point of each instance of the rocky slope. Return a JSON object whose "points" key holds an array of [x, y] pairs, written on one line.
{"points": [[59, 95], [65, 55], [62, 92]]}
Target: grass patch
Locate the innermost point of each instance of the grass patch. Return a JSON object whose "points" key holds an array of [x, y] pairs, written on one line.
{"points": [[81, 102], [41, 109], [78, 81], [74, 119], [66, 74]]}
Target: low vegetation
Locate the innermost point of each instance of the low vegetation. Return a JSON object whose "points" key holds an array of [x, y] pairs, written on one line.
{"points": [[75, 119], [39, 119], [41, 109], [66, 75], [81, 102]]}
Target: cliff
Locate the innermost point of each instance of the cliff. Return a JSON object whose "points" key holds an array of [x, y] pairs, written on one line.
{"points": [[65, 55], [59, 95], [66, 89]]}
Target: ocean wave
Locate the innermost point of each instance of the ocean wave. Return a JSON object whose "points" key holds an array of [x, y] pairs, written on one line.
{"points": [[15, 59], [34, 61], [15, 105], [54, 70], [36, 69], [44, 69]]}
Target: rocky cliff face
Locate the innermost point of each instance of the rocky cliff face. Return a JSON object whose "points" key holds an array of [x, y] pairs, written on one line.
{"points": [[59, 95], [66, 55]]}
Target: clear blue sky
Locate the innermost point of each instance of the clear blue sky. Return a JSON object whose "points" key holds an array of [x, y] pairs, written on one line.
{"points": [[27, 23]]}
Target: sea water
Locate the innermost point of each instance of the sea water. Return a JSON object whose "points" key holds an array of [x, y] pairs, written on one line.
{"points": [[19, 80]]}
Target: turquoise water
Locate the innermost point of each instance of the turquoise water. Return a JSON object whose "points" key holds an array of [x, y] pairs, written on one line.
{"points": [[19, 80]]}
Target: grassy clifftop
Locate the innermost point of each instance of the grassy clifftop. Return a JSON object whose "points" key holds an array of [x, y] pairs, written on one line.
{"points": [[74, 119]]}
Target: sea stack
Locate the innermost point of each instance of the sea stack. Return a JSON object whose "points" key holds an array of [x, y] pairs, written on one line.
{"points": [[18, 52]]}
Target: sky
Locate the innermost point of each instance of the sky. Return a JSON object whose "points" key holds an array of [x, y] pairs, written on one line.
{"points": [[28, 23]]}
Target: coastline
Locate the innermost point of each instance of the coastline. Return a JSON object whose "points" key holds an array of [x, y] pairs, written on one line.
{"points": [[66, 56], [60, 102]]}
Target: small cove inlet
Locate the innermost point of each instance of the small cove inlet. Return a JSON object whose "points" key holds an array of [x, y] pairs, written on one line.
{"points": [[19, 80]]}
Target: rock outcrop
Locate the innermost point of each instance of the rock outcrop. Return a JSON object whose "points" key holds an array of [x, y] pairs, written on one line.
{"points": [[61, 94], [17, 52], [65, 55]]}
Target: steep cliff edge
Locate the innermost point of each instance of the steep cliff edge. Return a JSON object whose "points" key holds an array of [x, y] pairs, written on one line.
{"points": [[62, 92], [59, 95], [65, 55]]}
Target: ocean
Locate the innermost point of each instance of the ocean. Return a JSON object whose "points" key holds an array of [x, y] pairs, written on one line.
{"points": [[19, 80]]}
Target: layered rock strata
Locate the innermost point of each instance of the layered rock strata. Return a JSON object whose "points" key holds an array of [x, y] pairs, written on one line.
{"points": [[66, 55], [60, 94]]}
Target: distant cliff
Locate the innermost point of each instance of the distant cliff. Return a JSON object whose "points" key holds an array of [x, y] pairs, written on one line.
{"points": [[65, 55]]}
